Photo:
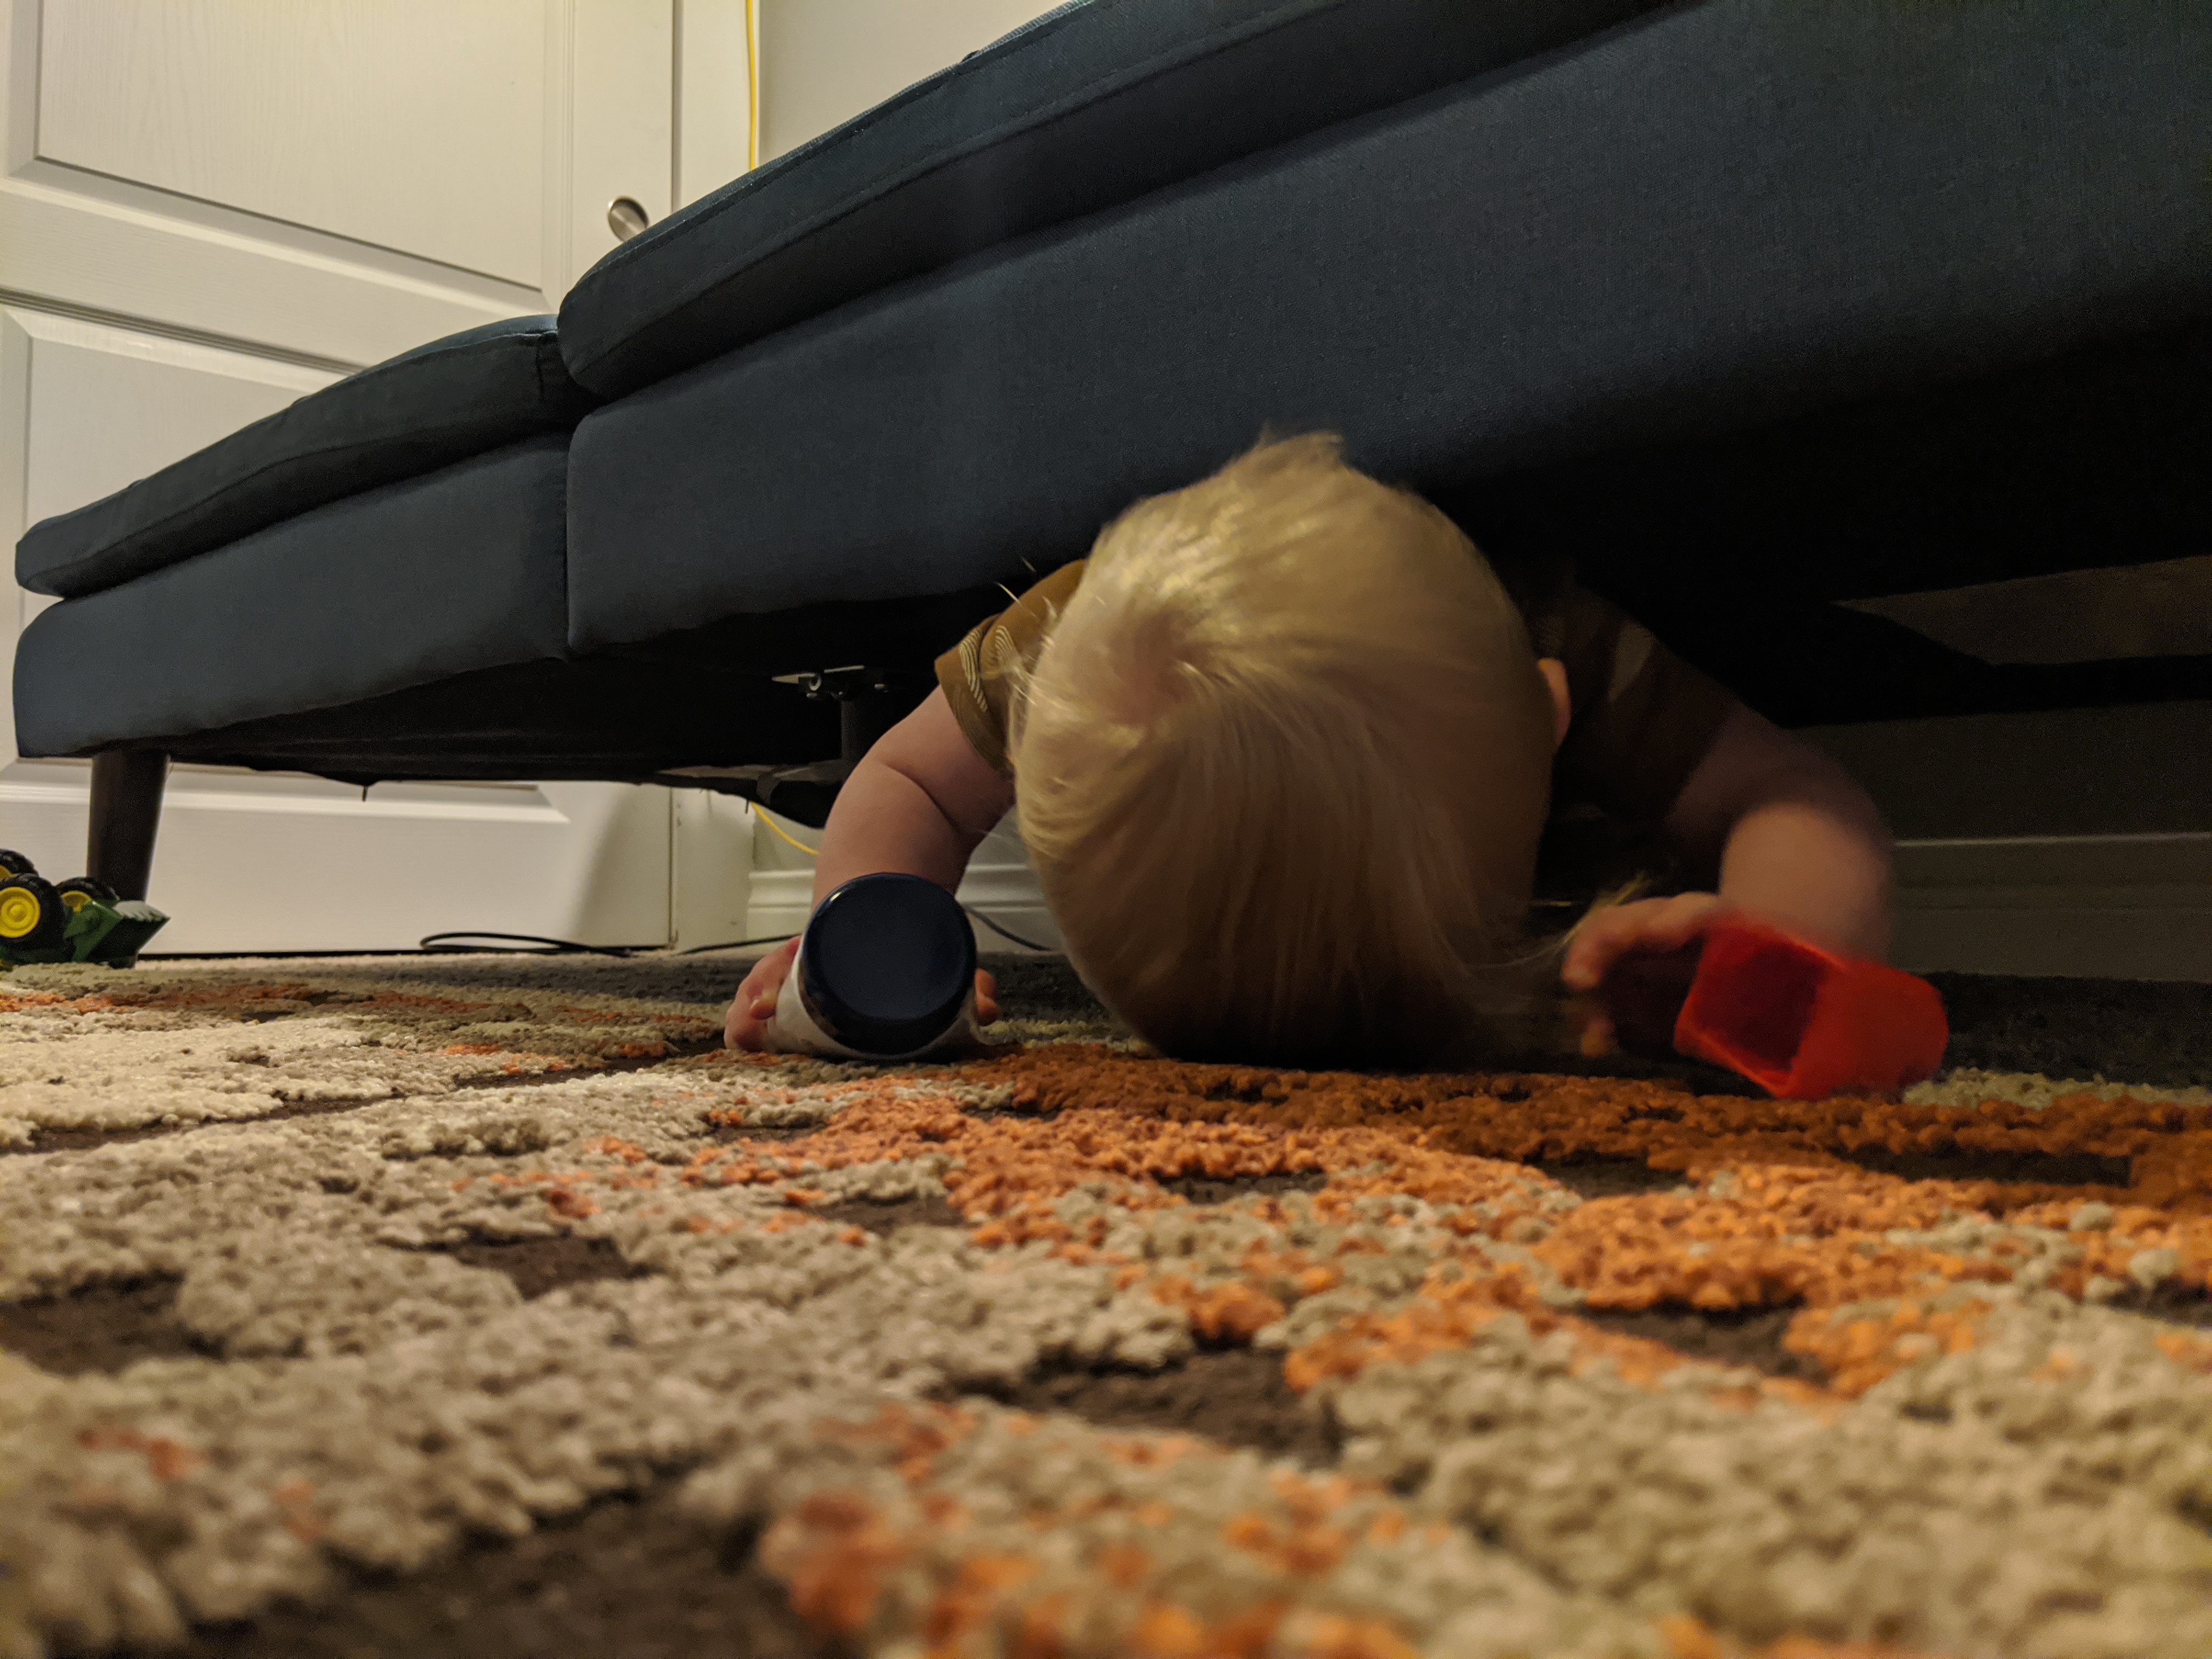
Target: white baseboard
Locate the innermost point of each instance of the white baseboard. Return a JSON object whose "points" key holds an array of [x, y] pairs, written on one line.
{"points": [[1007, 893], [2102, 907]]}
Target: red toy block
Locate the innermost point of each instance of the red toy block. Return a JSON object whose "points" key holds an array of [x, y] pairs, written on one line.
{"points": [[1799, 1021]]}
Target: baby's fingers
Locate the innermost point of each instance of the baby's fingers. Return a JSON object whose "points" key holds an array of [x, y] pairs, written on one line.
{"points": [[1592, 1028], [1662, 924], [746, 1025], [1597, 1040], [1597, 943], [1677, 921]]}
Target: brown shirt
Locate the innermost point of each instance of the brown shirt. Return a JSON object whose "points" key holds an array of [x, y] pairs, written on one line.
{"points": [[1641, 718]]}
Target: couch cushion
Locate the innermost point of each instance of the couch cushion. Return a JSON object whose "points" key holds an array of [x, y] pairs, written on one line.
{"points": [[1093, 104], [453, 398], [394, 587], [1726, 216]]}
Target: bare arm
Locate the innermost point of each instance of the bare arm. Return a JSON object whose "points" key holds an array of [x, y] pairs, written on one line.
{"points": [[1792, 836], [918, 804], [1779, 830]]}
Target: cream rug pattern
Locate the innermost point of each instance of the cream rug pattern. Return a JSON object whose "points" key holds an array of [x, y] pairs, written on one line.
{"points": [[485, 1305]]}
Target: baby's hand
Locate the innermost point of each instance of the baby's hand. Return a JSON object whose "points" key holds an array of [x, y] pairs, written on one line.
{"points": [[1654, 925], [746, 1026], [754, 1007]]}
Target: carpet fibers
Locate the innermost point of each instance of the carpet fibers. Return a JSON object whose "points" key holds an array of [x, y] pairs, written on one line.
{"points": [[485, 1306]]}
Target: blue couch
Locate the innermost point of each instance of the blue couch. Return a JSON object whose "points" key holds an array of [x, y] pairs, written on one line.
{"points": [[1747, 306]]}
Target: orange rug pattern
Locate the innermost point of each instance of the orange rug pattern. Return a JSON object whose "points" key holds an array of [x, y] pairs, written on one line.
{"points": [[1602, 1365]]}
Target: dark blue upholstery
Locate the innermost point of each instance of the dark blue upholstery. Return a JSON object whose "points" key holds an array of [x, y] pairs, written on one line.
{"points": [[394, 587], [1720, 217], [453, 398], [1726, 293], [1092, 104]]}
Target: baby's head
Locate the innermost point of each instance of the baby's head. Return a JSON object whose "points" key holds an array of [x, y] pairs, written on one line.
{"points": [[1282, 765]]}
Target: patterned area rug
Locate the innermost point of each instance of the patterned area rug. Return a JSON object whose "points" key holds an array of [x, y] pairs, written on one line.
{"points": [[483, 1306]]}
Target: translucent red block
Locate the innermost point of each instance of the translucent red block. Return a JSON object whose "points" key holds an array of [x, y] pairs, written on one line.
{"points": [[1799, 1021]]}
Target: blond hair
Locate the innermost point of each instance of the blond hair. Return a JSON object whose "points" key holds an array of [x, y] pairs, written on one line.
{"points": [[1281, 766]]}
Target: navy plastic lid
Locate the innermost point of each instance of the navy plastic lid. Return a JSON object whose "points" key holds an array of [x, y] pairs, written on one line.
{"points": [[887, 963]]}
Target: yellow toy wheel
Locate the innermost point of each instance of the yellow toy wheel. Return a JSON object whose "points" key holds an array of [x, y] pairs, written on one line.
{"points": [[31, 914], [77, 888], [13, 863]]}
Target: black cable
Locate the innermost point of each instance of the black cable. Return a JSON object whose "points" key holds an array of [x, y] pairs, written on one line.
{"points": [[554, 947], [567, 947], [734, 944], [433, 943], [1003, 933]]}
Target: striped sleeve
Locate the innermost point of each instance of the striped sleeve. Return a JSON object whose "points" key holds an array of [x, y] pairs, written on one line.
{"points": [[977, 675]]}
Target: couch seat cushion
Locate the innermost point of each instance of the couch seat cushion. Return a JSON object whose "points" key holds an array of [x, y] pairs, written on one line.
{"points": [[1093, 104], [453, 398], [398, 586]]}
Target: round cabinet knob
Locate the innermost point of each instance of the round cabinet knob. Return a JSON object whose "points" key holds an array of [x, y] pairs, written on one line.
{"points": [[626, 217]]}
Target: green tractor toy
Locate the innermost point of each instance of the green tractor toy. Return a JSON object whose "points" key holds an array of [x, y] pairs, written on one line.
{"points": [[80, 919]]}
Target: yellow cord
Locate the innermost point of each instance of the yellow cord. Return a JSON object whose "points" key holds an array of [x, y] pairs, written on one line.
{"points": [[779, 830], [752, 96]]}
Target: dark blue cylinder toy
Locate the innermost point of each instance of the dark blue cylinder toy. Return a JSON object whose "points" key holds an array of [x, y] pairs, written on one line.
{"points": [[885, 970]]}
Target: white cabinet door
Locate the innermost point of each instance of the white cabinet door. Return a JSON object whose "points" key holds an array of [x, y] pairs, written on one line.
{"points": [[209, 207]]}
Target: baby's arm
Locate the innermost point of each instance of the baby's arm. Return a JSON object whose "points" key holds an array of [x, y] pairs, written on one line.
{"points": [[1796, 839], [1791, 838], [918, 803]]}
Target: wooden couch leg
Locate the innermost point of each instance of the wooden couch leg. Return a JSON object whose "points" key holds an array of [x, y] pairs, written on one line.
{"points": [[126, 812]]}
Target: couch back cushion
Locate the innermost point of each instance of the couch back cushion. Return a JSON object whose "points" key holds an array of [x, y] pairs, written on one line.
{"points": [[1093, 104], [439, 403], [1837, 299]]}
